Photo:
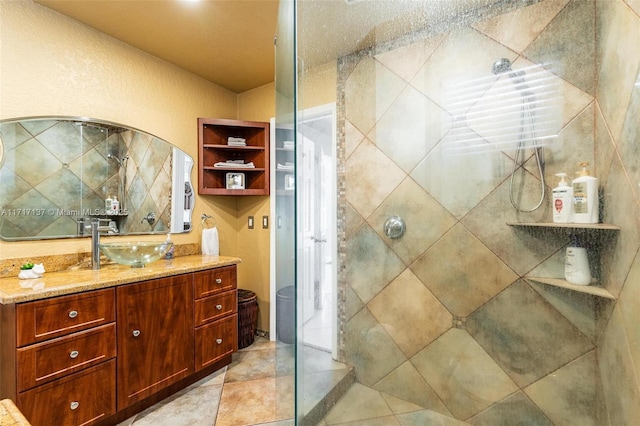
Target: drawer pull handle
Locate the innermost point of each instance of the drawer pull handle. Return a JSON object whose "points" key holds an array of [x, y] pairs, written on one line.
{"points": [[74, 354], [73, 314], [218, 280], [136, 333], [74, 405], [219, 341], [219, 307]]}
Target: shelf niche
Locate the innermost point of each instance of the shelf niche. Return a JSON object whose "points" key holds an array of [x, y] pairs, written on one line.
{"points": [[213, 134], [571, 228]]}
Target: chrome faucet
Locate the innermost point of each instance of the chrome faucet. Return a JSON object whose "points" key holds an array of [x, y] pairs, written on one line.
{"points": [[96, 229]]}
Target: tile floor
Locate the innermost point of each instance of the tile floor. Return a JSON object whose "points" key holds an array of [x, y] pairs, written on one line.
{"points": [[257, 389]]}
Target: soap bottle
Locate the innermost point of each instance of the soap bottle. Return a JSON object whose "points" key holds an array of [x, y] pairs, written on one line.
{"points": [[115, 205], [576, 265], [562, 200], [108, 204], [168, 241], [585, 197]]}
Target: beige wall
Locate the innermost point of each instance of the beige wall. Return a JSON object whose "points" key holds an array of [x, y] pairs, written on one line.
{"points": [[253, 244], [52, 65]]}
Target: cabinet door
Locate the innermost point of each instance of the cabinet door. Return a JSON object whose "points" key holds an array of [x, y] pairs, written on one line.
{"points": [[83, 398], [215, 340], [155, 336]]}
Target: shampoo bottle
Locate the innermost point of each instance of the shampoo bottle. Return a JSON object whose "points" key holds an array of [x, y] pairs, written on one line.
{"points": [[115, 205], [585, 197], [562, 200]]}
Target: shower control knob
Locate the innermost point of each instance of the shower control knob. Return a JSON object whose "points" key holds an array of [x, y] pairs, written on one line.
{"points": [[394, 227]]}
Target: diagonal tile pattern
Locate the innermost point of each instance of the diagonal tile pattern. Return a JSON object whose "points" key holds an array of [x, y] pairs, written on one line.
{"points": [[539, 337]]}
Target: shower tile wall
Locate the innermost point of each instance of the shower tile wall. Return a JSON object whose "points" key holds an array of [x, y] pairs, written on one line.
{"points": [[443, 317], [57, 166]]}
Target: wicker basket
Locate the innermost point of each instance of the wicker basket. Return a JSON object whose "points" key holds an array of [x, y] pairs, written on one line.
{"points": [[247, 317]]}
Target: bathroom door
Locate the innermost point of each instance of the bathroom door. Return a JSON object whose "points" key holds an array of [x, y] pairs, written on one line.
{"points": [[307, 237]]}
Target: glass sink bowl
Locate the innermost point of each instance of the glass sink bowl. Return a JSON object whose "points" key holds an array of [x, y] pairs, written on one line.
{"points": [[135, 254]]}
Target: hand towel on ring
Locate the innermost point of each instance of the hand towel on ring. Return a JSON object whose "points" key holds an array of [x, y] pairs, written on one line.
{"points": [[210, 243]]}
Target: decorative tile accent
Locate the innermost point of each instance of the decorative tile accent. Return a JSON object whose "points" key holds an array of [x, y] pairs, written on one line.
{"points": [[465, 378], [471, 276], [514, 328]]}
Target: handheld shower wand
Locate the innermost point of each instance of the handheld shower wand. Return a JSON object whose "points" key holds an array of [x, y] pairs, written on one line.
{"points": [[503, 66]]}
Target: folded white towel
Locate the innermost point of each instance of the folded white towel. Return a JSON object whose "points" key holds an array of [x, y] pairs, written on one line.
{"points": [[210, 243]]}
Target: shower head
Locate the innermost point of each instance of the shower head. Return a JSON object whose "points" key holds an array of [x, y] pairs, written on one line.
{"points": [[120, 161], [501, 66]]}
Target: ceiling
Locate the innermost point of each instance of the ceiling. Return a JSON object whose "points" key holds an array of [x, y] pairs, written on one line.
{"points": [[228, 42], [231, 42]]}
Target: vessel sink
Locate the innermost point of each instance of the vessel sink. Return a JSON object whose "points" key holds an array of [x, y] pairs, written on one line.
{"points": [[135, 254]]}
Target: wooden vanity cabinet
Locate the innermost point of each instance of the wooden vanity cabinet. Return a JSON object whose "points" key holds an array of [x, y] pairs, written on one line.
{"points": [[216, 315], [98, 357], [155, 336], [65, 358]]}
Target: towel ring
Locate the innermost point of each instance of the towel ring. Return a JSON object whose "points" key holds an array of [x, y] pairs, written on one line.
{"points": [[206, 217]]}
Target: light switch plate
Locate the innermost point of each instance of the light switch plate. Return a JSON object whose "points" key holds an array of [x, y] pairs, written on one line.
{"points": [[265, 222], [250, 222]]}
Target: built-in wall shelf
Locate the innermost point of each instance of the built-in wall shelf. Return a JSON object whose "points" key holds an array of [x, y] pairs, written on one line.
{"points": [[588, 289], [597, 226]]}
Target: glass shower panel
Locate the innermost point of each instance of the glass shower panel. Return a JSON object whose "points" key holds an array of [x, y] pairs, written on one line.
{"points": [[284, 221], [467, 316]]}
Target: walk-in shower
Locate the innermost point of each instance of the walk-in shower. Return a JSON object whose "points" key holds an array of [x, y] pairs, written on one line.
{"points": [[527, 132], [449, 321]]}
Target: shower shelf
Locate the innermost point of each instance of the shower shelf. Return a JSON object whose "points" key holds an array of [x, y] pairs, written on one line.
{"points": [[588, 289], [574, 229], [594, 226]]}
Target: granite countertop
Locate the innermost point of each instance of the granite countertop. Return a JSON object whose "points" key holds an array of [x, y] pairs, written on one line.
{"points": [[15, 290], [10, 415]]}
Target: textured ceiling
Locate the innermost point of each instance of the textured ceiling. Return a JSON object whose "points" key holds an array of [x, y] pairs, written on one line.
{"points": [[228, 42]]}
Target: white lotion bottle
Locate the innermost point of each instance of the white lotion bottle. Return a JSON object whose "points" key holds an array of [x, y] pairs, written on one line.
{"points": [[585, 197], [576, 266], [562, 201]]}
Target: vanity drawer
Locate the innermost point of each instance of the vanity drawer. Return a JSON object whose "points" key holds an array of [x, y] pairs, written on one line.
{"points": [[214, 307], [215, 281], [44, 362], [55, 317], [82, 398], [215, 340]]}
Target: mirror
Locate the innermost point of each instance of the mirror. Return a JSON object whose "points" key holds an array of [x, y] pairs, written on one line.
{"points": [[57, 173]]}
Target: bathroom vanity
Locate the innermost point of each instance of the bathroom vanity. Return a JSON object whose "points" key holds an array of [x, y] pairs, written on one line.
{"points": [[95, 347]]}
